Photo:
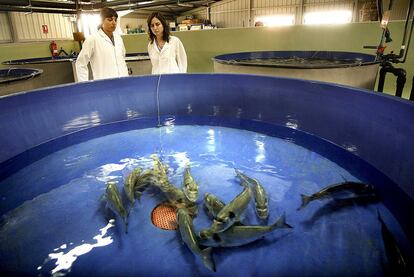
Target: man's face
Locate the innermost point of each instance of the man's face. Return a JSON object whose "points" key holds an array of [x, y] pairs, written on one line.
{"points": [[109, 24]]}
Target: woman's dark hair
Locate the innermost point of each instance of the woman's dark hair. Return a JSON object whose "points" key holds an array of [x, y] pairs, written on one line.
{"points": [[108, 13], [166, 32]]}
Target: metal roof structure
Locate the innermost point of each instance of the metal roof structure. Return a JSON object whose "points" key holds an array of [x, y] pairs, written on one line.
{"points": [[170, 7]]}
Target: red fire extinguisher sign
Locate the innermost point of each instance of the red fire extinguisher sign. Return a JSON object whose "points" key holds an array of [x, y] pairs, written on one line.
{"points": [[45, 29]]}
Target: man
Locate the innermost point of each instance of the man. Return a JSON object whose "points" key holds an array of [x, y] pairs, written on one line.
{"points": [[104, 50]]}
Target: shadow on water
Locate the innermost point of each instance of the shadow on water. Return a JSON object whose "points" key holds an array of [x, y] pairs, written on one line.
{"points": [[337, 205]]}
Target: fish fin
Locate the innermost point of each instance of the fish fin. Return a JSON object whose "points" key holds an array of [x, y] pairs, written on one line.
{"points": [[379, 217], [138, 194], [305, 201], [216, 237], [345, 180], [207, 258], [237, 172], [281, 222]]}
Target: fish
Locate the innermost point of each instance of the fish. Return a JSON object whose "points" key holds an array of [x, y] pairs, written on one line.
{"points": [[230, 213], [129, 184], [145, 179], [177, 198], [159, 167], [260, 195], [343, 190], [238, 235], [396, 259], [175, 195], [160, 174], [213, 204], [190, 187], [186, 228], [114, 202]]}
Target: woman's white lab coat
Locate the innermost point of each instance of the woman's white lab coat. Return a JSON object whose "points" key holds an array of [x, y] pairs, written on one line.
{"points": [[107, 60], [171, 59]]}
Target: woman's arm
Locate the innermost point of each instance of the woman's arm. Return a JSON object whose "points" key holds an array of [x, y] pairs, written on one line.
{"points": [[181, 57], [82, 71]]}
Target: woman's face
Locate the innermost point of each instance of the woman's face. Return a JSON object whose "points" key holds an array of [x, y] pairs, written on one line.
{"points": [[109, 24], [156, 27]]}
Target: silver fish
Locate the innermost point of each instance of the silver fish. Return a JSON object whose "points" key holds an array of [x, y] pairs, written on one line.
{"points": [[185, 224], [114, 202], [344, 190], [213, 204], [145, 179], [178, 199], [238, 235], [230, 213], [190, 186], [160, 174], [260, 196], [129, 184]]}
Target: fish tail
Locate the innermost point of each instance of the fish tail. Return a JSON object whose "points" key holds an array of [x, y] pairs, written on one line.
{"points": [[379, 217], [281, 223], [126, 225], [305, 201], [208, 259]]}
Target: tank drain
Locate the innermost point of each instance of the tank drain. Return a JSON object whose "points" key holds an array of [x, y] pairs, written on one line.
{"points": [[164, 217]]}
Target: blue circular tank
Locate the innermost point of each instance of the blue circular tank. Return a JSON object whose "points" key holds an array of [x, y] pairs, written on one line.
{"points": [[346, 68], [18, 79], [60, 146]]}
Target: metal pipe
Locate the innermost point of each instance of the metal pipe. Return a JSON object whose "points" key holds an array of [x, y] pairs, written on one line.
{"points": [[35, 10], [42, 4], [73, 7], [407, 20], [400, 73], [154, 4]]}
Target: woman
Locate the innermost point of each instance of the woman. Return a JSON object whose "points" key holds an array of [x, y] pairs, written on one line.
{"points": [[166, 52], [104, 51]]}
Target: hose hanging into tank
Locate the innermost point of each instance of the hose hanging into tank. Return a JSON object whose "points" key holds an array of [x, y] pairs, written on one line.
{"points": [[158, 101]]}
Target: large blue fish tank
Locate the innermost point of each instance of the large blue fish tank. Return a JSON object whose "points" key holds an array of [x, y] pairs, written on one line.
{"points": [[61, 145], [339, 67]]}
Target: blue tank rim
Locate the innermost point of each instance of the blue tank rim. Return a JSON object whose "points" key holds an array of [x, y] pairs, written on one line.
{"points": [[139, 55], [40, 60], [230, 58], [28, 74]]}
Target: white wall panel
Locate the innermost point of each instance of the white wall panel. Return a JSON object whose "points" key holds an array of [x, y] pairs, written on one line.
{"points": [[28, 27], [5, 34]]}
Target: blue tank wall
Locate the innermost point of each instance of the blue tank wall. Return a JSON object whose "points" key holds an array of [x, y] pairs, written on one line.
{"points": [[377, 128]]}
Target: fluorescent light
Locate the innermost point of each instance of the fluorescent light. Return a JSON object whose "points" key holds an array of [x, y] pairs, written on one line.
{"points": [[276, 20], [328, 17]]}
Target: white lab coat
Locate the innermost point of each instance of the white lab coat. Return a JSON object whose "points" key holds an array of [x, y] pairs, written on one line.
{"points": [[107, 60], [171, 59]]}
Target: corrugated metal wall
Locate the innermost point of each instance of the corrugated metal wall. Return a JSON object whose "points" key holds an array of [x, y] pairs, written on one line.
{"points": [[5, 34], [238, 13], [232, 13], [28, 27]]}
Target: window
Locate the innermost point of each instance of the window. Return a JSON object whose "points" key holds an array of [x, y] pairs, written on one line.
{"points": [[328, 17], [275, 20]]}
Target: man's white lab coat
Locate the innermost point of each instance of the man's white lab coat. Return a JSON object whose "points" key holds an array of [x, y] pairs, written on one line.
{"points": [[107, 60], [171, 59]]}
